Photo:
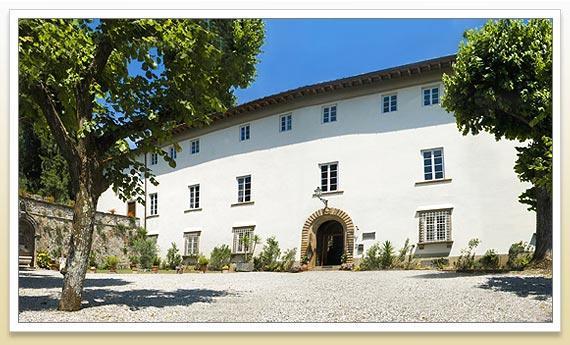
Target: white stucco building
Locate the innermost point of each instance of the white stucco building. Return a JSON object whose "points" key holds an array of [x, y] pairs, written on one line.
{"points": [[389, 159]]}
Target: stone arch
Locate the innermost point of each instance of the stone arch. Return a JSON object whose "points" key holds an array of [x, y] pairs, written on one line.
{"points": [[27, 234], [308, 235]]}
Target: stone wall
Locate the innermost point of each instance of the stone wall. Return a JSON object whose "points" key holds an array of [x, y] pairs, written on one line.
{"points": [[51, 225]]}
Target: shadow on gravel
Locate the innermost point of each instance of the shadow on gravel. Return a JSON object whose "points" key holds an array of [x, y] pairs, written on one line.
{"points": [[134, 299], [539, 287], [447, 275], [31, 281]]}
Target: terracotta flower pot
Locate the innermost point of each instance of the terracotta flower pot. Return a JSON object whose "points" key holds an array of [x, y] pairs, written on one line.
{"points": [[203, 268], [154, 269]]}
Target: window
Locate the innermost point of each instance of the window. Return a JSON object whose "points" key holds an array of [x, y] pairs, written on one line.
{"points": [[244, 188], [285, 123], [433, 164], [244, 133], [173, 152], [329, 114], [153, 158], [435, 225], [194, 196], [431, 95], [191, 243], [369, 236], [153, 204], [153, 238], [389, 103], [329, 177], [195, 146], [131, 209], [360, 249], [242, 240]]}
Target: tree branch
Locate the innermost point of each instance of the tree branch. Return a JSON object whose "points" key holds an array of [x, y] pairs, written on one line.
{"points": [[45, 100]]}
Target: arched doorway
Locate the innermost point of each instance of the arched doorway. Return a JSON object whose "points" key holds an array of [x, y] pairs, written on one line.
{"points": [[330, 243], [327, 234], [26, 241]]}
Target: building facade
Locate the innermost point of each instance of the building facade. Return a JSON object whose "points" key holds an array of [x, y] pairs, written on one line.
{"points": [[388, 159]]}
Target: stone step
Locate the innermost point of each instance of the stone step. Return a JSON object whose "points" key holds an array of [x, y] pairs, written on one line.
{"points": [[326, 268]]}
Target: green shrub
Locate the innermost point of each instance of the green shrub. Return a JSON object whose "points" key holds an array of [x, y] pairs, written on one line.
{"points": [[202, 260], [520, 254], [156, 261], [269, 256], [43, 260], [111, 262], [466, 260], [387, 255], [288, 259], [440, 263], [257, 264], [372, 258], [490, 260], [173, 258], [146, 250], [134, 260], [220, 257]]}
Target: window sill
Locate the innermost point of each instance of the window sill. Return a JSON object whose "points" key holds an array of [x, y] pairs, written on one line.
{"points": [[193, 210], [245, 203], [422, 244], [152, 216], [438, 181], [331, 193]]}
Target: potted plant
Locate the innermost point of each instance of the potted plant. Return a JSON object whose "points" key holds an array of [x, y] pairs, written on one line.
{"points": [[203, 263], [250, 242], [305, 263], [134, 260], [111, 262], [92, 262], [155, 264], [225, 269]]}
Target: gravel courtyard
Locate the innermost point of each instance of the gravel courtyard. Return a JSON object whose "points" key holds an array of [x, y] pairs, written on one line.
{"points": [[335, 296]]}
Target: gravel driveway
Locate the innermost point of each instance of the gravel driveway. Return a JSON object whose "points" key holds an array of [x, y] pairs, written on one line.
{"points": [[335, 296]]}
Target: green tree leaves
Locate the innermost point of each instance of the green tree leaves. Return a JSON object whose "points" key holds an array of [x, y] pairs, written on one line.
{"points": [[502, 84]]}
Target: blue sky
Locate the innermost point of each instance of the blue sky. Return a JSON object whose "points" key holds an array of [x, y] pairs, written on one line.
{"points": [[300, 52]]}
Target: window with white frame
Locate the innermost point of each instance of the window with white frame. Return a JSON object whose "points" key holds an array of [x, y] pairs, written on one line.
{"points": [[195, 146], [389, 103], [369, 236], [360, 249], [329, 113], [194, 196], [191, 243], [244, 132], [242, 240], [285, 123], [153, 158], [244, 188], [431, 95], [433, 164], [435, 225], [153, 204], [172, 152], [329, 177]]}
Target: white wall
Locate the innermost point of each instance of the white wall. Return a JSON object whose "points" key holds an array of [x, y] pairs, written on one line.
{"points": [[379, 164]]}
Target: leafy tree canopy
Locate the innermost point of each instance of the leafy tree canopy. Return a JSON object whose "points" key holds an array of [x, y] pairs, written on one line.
{"points": [[79, 74], [502, 84]]}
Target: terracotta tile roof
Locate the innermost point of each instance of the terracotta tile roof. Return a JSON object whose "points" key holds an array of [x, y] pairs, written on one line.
{"points": [[379, 76]]}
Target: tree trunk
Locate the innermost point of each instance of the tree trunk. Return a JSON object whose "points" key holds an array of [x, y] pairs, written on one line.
{"points": [[543, 251], [79, 243]]}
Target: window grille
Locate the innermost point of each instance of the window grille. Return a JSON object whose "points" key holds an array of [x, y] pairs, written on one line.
{"points": [[240, 245], [435, 226]]}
